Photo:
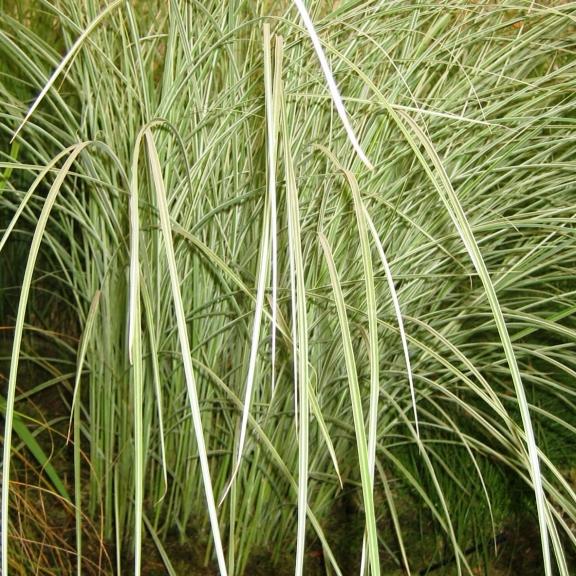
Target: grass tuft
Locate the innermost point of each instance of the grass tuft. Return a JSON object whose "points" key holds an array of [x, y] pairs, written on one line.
{"points": [[298, 278]]}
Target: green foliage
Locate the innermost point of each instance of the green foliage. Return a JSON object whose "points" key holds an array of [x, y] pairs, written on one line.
{"points": [[267, 320]]}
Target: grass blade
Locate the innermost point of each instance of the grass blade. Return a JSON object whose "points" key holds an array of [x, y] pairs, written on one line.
{"points": [[185, 345], [356, 400], [65, 61], [450, 200], [332, 86], [18, 332]]}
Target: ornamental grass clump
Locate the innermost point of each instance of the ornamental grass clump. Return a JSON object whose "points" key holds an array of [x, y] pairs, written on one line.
{"points": [[277, 256]]}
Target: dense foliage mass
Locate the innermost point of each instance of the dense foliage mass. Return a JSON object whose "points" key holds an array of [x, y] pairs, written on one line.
{"points": [[221, 321]]}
